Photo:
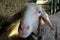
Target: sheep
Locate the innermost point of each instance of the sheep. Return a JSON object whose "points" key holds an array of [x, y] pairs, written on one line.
{"points": [[30, 19]]}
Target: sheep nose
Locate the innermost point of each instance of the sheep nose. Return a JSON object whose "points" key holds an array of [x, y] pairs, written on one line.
{"points": [[24, 28]]}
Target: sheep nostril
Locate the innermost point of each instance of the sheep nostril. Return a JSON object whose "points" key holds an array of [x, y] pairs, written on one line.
{"points": [[20, 27], [27, 27], [23, 27]]}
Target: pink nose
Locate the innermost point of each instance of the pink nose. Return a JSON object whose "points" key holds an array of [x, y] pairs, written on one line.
{"points": [[24, 28]]}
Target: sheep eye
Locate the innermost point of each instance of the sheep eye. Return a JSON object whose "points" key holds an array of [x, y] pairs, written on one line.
{"points": [[39, 11]]}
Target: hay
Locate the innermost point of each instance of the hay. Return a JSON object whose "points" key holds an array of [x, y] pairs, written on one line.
{"points": [[9, 7]]}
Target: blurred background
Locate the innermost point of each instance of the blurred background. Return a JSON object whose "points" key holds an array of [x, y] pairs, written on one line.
{"points": [[51, 6], [8, 8]]}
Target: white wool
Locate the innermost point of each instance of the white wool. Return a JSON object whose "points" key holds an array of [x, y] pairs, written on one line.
{"points": [[31, 18]]}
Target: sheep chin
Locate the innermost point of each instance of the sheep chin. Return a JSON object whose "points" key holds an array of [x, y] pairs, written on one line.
{"points": [[25, 35]]}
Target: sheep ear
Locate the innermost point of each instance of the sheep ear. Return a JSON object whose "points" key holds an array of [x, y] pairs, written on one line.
{"points": [[46, 19], [17, 15]]}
